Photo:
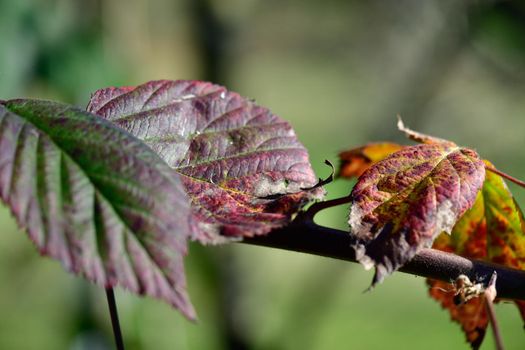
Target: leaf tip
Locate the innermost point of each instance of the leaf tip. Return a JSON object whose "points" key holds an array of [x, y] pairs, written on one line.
{"points": [[381, 271], [411, 134], [191, 315], [379, 276], [400, 124], [420, 137], [361, 257]]}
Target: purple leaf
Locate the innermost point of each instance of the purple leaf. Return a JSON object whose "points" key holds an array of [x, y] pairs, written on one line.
{"points": [[95, 198], [401, 203], [242, 166]]}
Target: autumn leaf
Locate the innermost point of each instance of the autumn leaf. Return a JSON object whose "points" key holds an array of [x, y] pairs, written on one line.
{"points": [[492, 230], [242, 166], [400, 204], [95, 198], [468, 239], [469, 235], [355, 161], [472, 315]]}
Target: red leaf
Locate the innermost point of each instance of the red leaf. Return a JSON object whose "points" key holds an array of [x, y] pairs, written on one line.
{"points": [[242, 166], [400, 204]]}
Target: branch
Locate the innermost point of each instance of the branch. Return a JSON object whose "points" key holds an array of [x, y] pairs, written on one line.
{"points": [[307, 237]]}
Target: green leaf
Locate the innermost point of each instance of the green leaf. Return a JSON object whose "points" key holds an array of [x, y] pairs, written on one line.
{"points": [[95, 198]]}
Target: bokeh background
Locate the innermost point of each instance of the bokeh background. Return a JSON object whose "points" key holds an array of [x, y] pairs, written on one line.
{"points": [[339, 71]]}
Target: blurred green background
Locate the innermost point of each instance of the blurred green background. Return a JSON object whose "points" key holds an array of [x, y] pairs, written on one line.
{"points": [[339, 71]]}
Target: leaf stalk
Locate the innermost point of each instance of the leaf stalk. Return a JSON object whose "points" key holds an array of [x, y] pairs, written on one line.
{"points": [[115, 324], [317, 207], [504, 175]]}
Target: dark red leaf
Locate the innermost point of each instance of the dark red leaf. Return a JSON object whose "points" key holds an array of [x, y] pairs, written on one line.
{"points": [[242, 166], [400, 204]]}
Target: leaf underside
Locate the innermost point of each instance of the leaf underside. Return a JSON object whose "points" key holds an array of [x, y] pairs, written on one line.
{"points": [[400, 204], [242, 166], [492, 230], [95, 198]]}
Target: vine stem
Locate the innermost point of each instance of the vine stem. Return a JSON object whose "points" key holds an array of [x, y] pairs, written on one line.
{"points": [[317, 207], [504, 175], [115, 324], [307, 237]]}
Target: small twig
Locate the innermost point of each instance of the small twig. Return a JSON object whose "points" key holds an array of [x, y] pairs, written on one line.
{"points": [[115, 324], [490, 295], [317, 207], [506, 176]]}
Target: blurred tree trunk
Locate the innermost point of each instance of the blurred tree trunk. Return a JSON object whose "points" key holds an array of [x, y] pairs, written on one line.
{"points": [[210, 41]]}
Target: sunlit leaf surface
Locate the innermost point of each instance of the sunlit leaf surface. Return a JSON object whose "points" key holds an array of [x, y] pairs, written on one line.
{"points": [[242, 166]]}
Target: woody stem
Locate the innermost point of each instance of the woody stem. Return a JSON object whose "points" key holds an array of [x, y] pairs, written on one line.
{"points": [[307, 237], [317, 207]]}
